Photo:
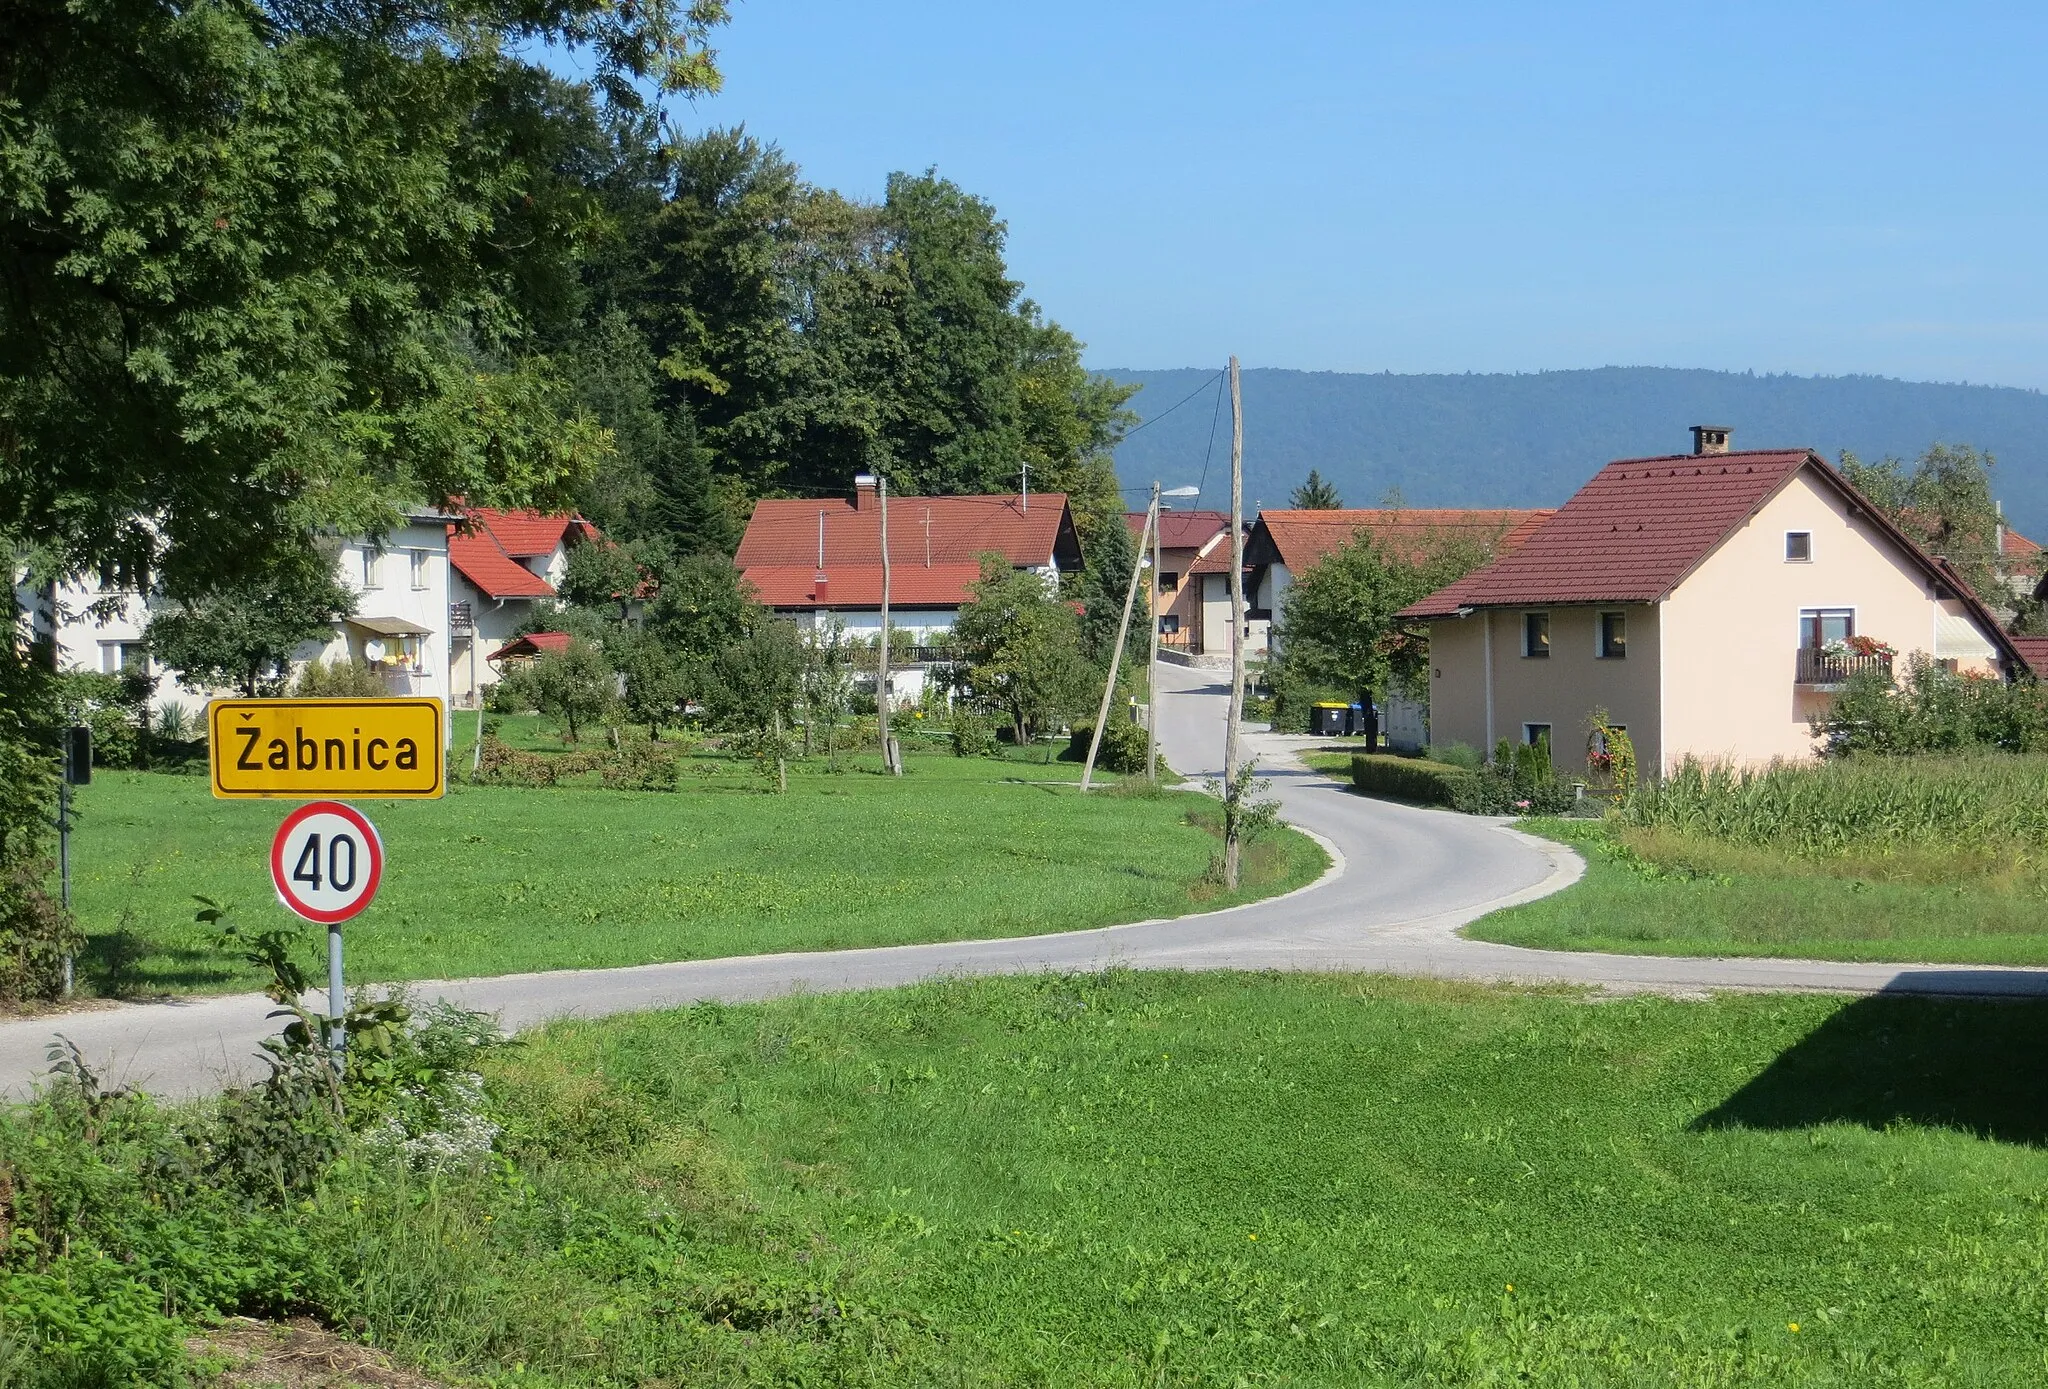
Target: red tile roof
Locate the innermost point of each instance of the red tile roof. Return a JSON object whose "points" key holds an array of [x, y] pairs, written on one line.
{"points": [[2034, 651], [784, 531], [860, 585], [1182, 530], [525, 534], [1640, 525], [479, 559], [1631, 533], [2013, 545], [536, 644], [1303, 539]]}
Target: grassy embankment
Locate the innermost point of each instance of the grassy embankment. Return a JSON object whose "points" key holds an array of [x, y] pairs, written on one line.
{"points": [[1212, 1180], [1901, 859], [496, 880]]}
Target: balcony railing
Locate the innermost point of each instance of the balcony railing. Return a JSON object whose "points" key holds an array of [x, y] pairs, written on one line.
{"points": [[1824, 670]]}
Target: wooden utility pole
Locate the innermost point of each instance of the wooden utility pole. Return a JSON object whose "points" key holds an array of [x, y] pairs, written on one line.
{"points": [[889, 759], [1123, 628], [1152, 662], [1231, 810]]}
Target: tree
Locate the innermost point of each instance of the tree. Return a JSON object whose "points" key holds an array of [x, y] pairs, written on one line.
{"points": [[572, 686], [1315, 494], [1945, 503], [755, 686], [701, 607], [1337, 622], [1022, 647], [603, 576], [827, 679], [1112, 555], [654, 680], [279, 268], [243, 633]]}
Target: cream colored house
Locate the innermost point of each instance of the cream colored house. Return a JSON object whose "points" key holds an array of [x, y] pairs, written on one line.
{"points": [[1711, 603], [401, 583]]}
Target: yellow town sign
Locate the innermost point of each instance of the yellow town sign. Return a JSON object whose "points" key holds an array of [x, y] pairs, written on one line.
{"points": [[311, 748]]}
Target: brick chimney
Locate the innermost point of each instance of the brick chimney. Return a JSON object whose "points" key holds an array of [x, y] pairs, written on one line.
{"points": [[864, 492], [1710, 438]]}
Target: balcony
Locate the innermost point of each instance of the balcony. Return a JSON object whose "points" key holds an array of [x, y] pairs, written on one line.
{"points": [[1820, 669]]}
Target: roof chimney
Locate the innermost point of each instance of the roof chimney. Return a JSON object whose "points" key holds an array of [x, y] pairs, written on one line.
{"points": [[864, 492], [1710, 438]]}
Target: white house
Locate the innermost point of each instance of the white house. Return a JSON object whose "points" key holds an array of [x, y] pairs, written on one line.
{"points": [[505, 563]]}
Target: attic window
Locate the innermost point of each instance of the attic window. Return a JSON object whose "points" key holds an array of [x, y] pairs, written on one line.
{"points": [[1798, 547]]}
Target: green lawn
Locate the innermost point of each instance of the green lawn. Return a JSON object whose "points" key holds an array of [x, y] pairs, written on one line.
{"points": [[1706, 899], [496, 880], [1165, 1179]]}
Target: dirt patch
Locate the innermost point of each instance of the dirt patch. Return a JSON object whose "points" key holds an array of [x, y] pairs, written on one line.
{"points": [[298, 1354]]}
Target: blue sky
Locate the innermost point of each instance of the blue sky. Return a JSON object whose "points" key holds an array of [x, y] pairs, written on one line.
{"points": [[1803, 187]]}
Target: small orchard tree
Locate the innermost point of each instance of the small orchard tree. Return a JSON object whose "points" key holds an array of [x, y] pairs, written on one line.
{"points": [[827, 679], [242, 634], [573, 686], [652, 679], [702, 606], [1022, 647], [754, 686], [602, 576]]}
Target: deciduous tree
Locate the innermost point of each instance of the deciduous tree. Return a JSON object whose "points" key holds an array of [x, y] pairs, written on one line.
{"points": [[242, 634], [1022, 647]]}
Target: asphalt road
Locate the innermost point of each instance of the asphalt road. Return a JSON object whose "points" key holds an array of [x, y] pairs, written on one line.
{"points": [[1403, 881]]}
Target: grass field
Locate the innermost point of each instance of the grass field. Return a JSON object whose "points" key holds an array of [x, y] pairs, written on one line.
{"points": [[1662, 894], [496, 880], [1162, 1179]]}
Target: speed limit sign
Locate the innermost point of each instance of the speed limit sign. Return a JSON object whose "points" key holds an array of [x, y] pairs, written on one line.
{"points": [[326, 861]]}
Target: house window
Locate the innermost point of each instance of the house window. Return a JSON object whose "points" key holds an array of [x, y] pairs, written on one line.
{"points": [[1536, 734], [1613, 636], [1169, 624], [117, 657], [370, 558], [1169, 581], [1798, 546], [1819, 627], [1599, 741], [422, 569], [1536, 635]]}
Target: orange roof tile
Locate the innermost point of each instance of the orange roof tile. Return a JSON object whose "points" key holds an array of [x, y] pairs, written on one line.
{"points": [[784, 531], [1303, 539], [2013, 545], [860, 585], [479, 559], [525, 534], [533, 644]]}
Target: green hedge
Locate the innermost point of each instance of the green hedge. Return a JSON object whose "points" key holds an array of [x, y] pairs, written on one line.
{"points": [[1411, 779]]}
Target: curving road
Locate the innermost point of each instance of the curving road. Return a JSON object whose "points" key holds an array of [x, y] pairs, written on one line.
{"points": [[1403, 880]]}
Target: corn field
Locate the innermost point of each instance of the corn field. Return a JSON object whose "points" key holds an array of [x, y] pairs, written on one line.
{"points": [[1990, 801]]}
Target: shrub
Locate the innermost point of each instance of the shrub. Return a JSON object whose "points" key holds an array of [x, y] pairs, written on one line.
{"points": [[339, 679], [35, 933], [1933, 709], [110, 705], [644, 766], [1410, 779], [972, 735], [499, 764], [1458, 755], [1122, 750]]}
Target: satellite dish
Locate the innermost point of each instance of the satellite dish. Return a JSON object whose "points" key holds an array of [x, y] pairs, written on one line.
{"points": [[373, 649]]}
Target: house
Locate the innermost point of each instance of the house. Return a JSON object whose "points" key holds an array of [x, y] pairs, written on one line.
{"points": [[399, 627], [505, 563], [818, 560], [1711, 603], [1185, 537]]}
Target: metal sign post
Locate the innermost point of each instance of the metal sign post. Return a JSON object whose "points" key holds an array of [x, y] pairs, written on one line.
{"points": [[326, 862], [77, 772]]}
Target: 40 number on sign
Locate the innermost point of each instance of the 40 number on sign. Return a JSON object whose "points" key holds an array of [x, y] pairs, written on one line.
{"points": [[326, 861]]}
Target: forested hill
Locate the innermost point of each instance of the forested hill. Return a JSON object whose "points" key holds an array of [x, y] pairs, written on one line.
{"points": [[1529, 440]]}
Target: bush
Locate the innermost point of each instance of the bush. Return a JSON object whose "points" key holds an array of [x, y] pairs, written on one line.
{"points": [[1122, 750], [1458, 755], [110, 705], [499, 764], [972, 735], [339, 679], [644, 766], [1934, 710], [1520, 781], [35, 933], [1410, 779]]}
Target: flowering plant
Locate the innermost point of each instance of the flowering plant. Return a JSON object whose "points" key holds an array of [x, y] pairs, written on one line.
{"points": [[1869, 646]]}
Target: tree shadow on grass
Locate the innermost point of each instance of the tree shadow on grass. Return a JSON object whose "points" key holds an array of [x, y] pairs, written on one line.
{"points": [[1969, 1065]]}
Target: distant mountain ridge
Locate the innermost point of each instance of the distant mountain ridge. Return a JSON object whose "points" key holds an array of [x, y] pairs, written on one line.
{"points": [[1530, 439]]}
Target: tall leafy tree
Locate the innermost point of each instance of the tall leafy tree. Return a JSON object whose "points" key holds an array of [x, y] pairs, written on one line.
{"points": [[1316, 494], [241, 634], [1022, 647], [1944, 501], [277, 268]]}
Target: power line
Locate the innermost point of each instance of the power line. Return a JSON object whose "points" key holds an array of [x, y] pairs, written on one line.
{"points": [[1214, 416], [1175, 406]]}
